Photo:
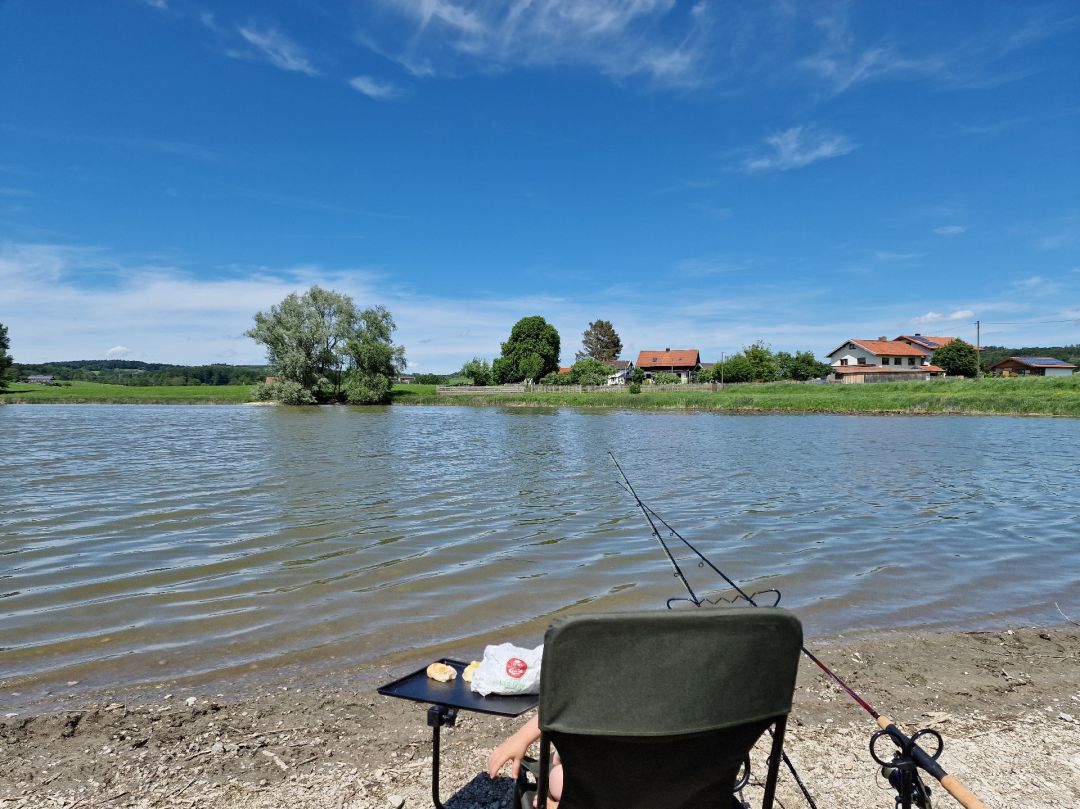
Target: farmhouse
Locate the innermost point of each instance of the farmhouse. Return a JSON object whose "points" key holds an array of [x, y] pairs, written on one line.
{"points": [[40, 380], [1032, 366], [881, 360], [620, 371], [685, 362], [927, 344]]}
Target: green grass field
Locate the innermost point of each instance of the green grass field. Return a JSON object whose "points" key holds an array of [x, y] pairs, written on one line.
{"points": [[990, 395], [1013, 396], [97, 393]]}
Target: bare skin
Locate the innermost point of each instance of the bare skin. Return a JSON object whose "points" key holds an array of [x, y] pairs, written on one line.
{"points": [[514, 749]]}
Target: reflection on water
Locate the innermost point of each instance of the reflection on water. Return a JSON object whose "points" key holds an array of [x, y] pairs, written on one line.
{"points": [[144, 543]]}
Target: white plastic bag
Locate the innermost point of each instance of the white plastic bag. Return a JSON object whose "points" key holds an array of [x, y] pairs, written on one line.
{"points": [[508, 669]]}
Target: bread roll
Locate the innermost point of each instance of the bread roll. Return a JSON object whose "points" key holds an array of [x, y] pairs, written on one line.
{"points": [[469, 669], [441, 672]]}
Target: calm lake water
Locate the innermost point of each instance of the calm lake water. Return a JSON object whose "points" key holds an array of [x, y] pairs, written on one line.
{"points": [[145, 544]]}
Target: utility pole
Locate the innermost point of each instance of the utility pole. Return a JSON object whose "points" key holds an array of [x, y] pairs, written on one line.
{"points": [[978, 349], [721, 370]]}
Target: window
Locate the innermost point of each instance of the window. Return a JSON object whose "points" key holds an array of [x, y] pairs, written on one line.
{"points": [[862, 360], [843, 361], [884, 360], [910, 360]]}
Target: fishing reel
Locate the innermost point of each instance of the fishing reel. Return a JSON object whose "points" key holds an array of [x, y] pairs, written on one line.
{"points": [[901, 769]]}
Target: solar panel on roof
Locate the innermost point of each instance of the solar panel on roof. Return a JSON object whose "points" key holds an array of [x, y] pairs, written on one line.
{"points": [[1042, 361]]}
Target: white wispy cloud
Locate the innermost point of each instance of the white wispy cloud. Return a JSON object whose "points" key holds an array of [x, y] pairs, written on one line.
{"points": [[87, 302], [373, 88], [938, 317], [656, 39], [843, 63], [950, 230], [797, 147], [276, 48], [117, 352], [1037, 285]]}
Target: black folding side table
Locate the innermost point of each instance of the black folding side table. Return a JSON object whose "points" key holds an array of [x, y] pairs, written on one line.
{"points": [[446, 699]]}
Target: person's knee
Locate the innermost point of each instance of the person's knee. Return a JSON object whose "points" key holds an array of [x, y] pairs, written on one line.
{"points": [[555, 782]]}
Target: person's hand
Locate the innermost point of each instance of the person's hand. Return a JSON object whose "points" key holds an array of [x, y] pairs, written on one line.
{"points": [[514, 749]]}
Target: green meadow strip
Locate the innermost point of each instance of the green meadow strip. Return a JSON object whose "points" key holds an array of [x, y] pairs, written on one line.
{"points": [[991, 395], [1033, 396], [98, 393]]}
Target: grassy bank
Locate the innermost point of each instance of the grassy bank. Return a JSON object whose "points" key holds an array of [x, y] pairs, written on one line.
{"points": [[991, 395], [98, 393], [1012, 396]]}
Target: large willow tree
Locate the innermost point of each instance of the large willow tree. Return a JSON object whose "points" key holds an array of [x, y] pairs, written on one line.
{"points": [[322, 350]]}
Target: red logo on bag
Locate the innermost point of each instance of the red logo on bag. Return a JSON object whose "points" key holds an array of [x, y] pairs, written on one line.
{"points": [[516, 667]]}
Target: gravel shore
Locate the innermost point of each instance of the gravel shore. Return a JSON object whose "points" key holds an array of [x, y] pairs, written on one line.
{"points": [[1007, 703]]}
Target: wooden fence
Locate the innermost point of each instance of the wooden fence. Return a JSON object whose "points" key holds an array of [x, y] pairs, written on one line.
{"points": [[468, 390]]}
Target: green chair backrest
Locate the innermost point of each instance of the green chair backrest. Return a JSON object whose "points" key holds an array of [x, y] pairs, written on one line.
{"points": [[658, 709], [663, 673]]}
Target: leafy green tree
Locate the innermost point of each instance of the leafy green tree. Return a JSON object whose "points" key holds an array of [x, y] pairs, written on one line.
{"points": [[637, 376], [588, 371], [762, 361], [305, 337], [600, 342], [801, 366], [737, 368], [374, 360], [478, 370], [321, 349], [285, 391], [957, 359], [665, 378], [555, 378], [531, 352], [5, 358]]}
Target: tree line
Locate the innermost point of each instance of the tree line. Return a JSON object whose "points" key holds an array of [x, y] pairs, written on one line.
{"points": [[143, 374], [532, 354]]}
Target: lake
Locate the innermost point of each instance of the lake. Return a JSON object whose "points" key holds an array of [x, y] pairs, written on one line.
{"points": [[142, 544]]}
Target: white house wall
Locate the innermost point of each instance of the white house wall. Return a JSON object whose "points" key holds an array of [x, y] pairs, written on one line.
{"points": [[869, 358]]}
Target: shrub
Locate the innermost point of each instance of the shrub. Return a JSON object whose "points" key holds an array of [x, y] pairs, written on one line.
{"points": [[635, 388], [285, 391]]}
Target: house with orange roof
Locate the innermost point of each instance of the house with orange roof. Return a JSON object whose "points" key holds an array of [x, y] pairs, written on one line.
{"points": [[928, 344], [881, 360], [685, 362]]}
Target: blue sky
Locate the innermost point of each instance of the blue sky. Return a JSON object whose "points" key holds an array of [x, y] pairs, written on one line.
{"points": [[701, 174]]}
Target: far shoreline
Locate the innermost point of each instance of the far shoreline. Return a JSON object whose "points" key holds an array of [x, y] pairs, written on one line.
{"points": [[988, 396]]}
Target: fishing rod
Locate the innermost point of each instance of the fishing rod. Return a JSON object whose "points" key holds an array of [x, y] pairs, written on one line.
{"points": [[902, 769]]}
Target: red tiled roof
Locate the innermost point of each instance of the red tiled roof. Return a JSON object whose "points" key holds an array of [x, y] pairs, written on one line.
{"points": [[928, 342], [565, 370], [671, 358], [890, 348]]}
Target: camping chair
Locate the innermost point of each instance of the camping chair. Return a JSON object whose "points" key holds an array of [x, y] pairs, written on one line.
{"points": [[660, 709]]}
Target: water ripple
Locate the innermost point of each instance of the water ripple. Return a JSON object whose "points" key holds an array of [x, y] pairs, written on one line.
{"points": [[145, 543]]}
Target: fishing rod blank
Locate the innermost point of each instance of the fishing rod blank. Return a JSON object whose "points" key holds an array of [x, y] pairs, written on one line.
{"points": [[909, 750]]}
